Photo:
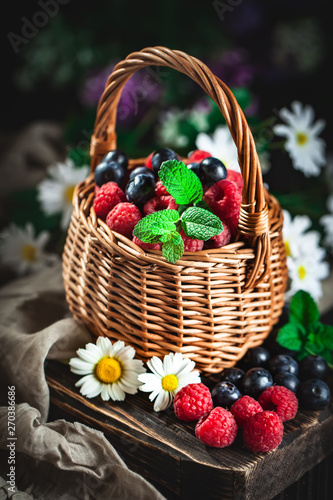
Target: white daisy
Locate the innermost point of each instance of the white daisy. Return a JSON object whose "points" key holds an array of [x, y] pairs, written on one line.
{"points": [[293, 231], [22, 251], [168, 378], [305, 148], [108, 369], [327, 222], [220, 145], [56, 193]]}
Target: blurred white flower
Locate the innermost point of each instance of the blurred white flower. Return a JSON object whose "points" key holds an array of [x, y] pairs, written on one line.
{"points": [[305, 148], [294, 230], [168, 132], [327, 222], [220, 145], [56, 192], [22, 251]]}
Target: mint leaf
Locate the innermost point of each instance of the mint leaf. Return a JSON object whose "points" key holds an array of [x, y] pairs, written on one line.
{"points": [[326, 336], [183, 184], [155, 224], [203, 204], [173, 249], [200, 224], [290, 336], [303, 309]]}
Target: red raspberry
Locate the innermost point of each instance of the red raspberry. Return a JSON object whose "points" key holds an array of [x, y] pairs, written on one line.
{"points": [[108, 196], [97, 188], [218, 428], [263, 432], [223, 198], [192, 402], [123, 218], [160, 190], [243, 409], [191, 245], [148, 161], [221, 239], [281, 400], [147, 246], [159, 203], [235, 177], [197, 156]]}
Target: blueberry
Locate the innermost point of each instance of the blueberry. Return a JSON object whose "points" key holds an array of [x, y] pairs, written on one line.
{"points": [[287, 380], [314, 394], [140, 189], [195, 167], [234, 375], [283, 363], [141, 170], [225, 394], [212, 170], [117, 155], [258, 356], [109, 171], [160, 156], [255, 381], [313, 367]]}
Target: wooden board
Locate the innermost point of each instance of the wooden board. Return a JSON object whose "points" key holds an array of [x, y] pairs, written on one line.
{"points": [[166, 452]]}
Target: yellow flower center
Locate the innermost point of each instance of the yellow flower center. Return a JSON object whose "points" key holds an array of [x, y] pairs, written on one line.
{"points": [[301, 272], [287, 247], [29, 253], [301, 138], [169, 382], [108, 370], [69, 191]]}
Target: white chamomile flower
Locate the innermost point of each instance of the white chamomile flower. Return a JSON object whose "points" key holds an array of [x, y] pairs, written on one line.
{"points": [[220, 145], [108, 369], [293, 232], [56, 192], [22, 251], [305, 148], [327, 221], [167, 378]]}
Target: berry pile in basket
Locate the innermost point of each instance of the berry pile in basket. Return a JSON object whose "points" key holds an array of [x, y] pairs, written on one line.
{"points": [[167, 204], [254, 400]]}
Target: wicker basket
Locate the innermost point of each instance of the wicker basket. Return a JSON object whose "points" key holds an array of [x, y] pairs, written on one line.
{"points": [[211, 306]]}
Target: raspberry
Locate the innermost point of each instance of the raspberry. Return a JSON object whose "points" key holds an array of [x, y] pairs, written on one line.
{"points": [[97, 188], [123, 218], [160, 190], [159, 203], [147, 246], [281, 400], [197, 155], [263, 432], [192, 402], [148, 161], [108, 196], [218, 428], [191, 245], [224, 199], [243, 409], [221, 239], [235, 177]]}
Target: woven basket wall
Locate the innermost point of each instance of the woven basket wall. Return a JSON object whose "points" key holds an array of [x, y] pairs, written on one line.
{"points": [[213, 305]]}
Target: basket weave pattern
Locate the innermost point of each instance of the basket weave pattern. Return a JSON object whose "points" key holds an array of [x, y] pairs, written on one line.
{"points": [[213, 305]]}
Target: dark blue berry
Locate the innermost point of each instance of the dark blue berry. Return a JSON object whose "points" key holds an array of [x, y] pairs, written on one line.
{"points": [[212, 170], [109, 171], [225, 394], [255, 381], [117, 155], [313, 367], [141, 170], [195, 167], [258, 356], [314, 394], [160, 156], [287, 380], [140, 189], [234, 375], [283, 363]]}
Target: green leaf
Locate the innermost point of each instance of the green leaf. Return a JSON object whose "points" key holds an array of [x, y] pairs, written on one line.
{"points": [[303, 309], [183, 184], [290, 336], [203, 204], [326, 336], [200, 224], [173, 249], [157, 223]]}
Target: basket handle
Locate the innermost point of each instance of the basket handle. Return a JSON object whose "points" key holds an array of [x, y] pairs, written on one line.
{"points": [[253, 218]]}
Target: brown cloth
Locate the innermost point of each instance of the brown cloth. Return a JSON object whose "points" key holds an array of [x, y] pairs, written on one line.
{"points": [[53, 460]]}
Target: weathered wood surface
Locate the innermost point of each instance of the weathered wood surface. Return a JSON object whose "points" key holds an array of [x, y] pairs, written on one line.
{"points": [[166, 452]]}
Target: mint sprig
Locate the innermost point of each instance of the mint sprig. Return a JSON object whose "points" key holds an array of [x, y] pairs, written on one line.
{"points": [[304, 332], [193, 216]]}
